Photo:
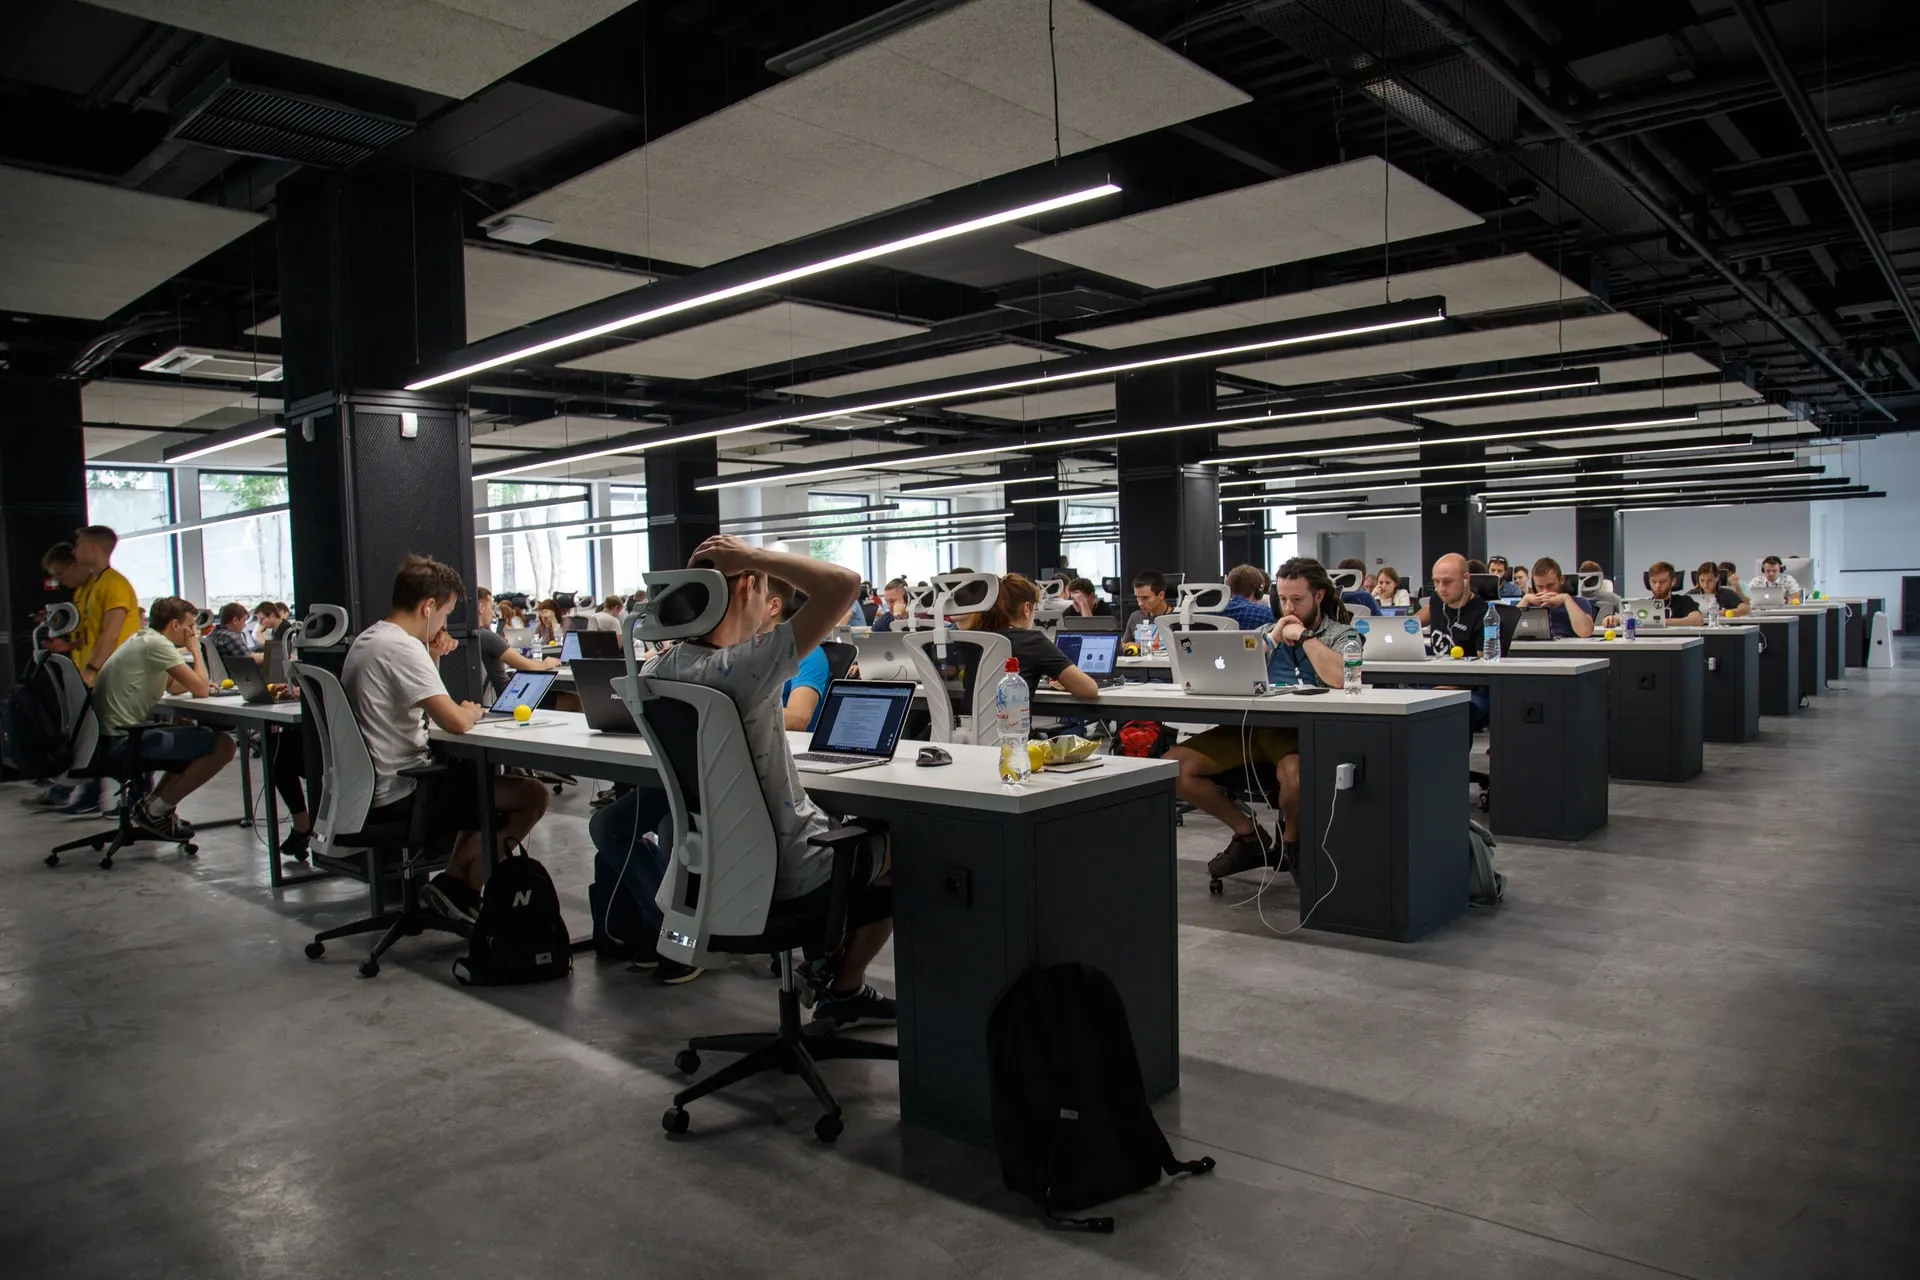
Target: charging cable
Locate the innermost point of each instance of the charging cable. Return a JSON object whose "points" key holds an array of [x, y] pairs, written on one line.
{"points": [[1344, 778]]}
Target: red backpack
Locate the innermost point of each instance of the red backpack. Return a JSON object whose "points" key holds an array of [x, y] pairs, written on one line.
{"points": [[1145, 739]]}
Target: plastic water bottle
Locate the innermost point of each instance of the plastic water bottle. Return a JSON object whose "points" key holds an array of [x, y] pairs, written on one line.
{"points": [[1490, 634], [1633, 625], [1013, 715], [1350, 650], [1143, 636]]}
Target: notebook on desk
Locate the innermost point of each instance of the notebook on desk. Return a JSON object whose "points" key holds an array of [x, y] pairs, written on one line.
{"points": [[858, 726], [1767, 597]]}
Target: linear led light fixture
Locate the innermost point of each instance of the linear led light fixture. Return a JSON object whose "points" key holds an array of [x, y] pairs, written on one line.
{"points": [[1072, 495], [772, 280], [1691, 502], [1679, 467], [1771, 477], [884, 526], [1517, 461], [1384, 514], [1729, 490], [1266, 337], [737, 521], [923, 490], [231, 438], [191, 525], [1391, 441], [1307, 503]]}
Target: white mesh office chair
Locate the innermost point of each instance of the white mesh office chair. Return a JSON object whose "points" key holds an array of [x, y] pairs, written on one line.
{"points": [[717, 894], [62, 621], [979, 657], [344, 841]]}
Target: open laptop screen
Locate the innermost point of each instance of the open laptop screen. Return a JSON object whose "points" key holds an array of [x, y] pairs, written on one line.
{"points": [[1092, 653], [863, 717], [570, 647], [527, 687]]}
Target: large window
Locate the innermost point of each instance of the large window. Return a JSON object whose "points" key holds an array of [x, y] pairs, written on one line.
{"points": [[915, 559], [528, 557], [1283, 538], [247, 560], [1096, 557], [630, 540], [127, 502], [845, 550]]}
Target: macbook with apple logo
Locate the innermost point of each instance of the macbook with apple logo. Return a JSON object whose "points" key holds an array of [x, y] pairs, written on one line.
{"points": [[1225, 663]]}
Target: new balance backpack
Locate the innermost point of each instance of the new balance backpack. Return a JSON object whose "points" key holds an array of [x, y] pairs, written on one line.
{"points": [[520, 935], [1070, 1115]]}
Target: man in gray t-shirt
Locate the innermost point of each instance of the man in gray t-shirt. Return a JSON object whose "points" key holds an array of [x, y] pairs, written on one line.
{"points": [[750, 666]]}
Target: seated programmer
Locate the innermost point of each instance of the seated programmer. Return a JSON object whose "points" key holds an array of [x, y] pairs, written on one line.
{"points": [[1245, 586], [128, 690], [1682, 611], [1455, 618], [1568, 616], [751, 664], [1305, 649]]}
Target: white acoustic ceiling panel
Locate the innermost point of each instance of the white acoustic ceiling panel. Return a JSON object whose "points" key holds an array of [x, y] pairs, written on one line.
{"points": [[84, 249], [1624, 402], [1683, 364], [1475, 346], [507, 290], [783, 331], [1002, 355], [964, 95], [151, 404], [1309, 215], [1307, 433], [1472, 288], [1094, 398], [450, 47], [558, 433], [101, 441]]}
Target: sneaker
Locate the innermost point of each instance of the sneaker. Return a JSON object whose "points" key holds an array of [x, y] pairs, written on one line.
{"points": [[51, 797], [813, 978], [166, 826], [670, 972], [1243, 853], [81, 806], [294, 847], [450, 898], [863, 1008]]}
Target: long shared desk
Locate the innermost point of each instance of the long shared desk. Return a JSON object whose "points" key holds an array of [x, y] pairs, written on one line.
{"points": [[269, 720]]}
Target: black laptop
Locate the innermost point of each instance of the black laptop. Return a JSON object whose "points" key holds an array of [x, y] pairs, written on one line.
{"points": [[1092, 652], [593, 681], [589, 644], [249, 681]]}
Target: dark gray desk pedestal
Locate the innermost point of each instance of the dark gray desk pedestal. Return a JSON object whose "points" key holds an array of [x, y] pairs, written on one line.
{"points": [[1731, 708], [1813, 654], [1859, 629], [1833, 631], [1654, 702], [1779, 665]]}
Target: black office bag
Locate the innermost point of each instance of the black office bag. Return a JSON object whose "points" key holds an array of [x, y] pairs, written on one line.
{"points": [[1070, 1115], [520, 935]]}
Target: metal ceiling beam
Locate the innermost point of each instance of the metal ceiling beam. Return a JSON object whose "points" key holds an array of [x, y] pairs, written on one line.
{"points": [[1473, 46], [1761, 32]]}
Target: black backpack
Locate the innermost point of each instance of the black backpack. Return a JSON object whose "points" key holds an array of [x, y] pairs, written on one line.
{"points": [[36, 741], [1070, 1116], [520, 935]]}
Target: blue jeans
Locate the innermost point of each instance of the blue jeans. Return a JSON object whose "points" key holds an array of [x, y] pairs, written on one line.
{"points": [[1477, 710], [616, 831]]}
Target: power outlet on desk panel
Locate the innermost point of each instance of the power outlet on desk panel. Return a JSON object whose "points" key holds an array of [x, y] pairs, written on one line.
{"points": [[1345, 775]]}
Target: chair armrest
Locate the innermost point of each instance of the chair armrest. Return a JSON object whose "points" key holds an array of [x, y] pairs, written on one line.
{"points": [[425, 770], [851, 867]]}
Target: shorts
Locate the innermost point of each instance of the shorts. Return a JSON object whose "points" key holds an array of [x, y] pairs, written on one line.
{"points": [[454, 803], [867, 905], [1224, 749], [170, 750]]}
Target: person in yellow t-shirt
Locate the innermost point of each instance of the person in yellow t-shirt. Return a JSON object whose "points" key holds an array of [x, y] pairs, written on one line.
{"points": [[109, 610]]}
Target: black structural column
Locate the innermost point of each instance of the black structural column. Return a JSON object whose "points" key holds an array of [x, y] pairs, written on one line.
{"points": [[1033, 533], [1169, 504], [43, 499], [680, 516], [1453, 517], [1599, 532], [372, 282], [1242, 542]]}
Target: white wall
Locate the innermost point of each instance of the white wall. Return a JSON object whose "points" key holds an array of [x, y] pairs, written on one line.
{"points": [[1394, 542], [1685, 538], [1870, 541], [1522, 539], [1525, 539]]}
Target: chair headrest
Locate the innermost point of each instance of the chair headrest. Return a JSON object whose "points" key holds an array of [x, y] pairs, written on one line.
{"points": [[1051, 589], [62, 618], [1204, 597], [1588, 582], [961, 593], [202, 619], [1345, 579], [324, 625], [681, 603]]}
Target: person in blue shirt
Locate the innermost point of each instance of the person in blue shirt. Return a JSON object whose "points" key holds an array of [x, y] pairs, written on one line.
{"points": [[801, 696], [1245, 586], [1568, 616]]}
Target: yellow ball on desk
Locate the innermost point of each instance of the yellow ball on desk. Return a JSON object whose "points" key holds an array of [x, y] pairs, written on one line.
{"points": [[1456, 652], [226, 684], [1609, 634], [523, 713]]}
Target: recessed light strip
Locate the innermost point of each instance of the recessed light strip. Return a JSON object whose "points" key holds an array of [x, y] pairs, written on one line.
{"points": [[1074, 495], [1422, 468], [218, 446], [1393, 442], [761, 283]]}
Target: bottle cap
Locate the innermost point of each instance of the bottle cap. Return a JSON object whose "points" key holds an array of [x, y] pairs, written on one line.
{"points": [[1013, 664]]}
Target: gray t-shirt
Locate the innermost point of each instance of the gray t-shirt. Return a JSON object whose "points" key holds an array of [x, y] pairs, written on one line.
{"points": [[752, 674], [387, 675]]}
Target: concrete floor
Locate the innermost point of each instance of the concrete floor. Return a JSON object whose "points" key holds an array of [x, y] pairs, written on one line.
{"points": [[1687, 1046]]}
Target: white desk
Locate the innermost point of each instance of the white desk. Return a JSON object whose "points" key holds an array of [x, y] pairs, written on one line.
{"points": [[269, 720], [987, 882]]}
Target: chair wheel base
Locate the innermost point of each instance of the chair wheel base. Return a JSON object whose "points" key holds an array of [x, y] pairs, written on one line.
{"points": [[315, 950], [1216, 886], [675, 1120], [106, 863], [370, 969], [828, 1128], [190, 849], [686, 1062], [53, 859]]}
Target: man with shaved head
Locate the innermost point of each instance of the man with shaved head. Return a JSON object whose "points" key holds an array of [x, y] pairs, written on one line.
{"points": [[1456, 618]]}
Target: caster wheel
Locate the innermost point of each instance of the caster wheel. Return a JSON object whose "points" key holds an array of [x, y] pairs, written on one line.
{"points": [[370, 969], [53, 859], [686, 1062], [191, 850], [675, 1120], [828, 1128], [558, 787], [1216, 887], [106, 864], [315, 950]]}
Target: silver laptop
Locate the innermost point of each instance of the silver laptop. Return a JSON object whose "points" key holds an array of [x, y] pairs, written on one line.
{"points": [[1767, 597], [858, 726], [884, 657], [1392, 639], [1228, 663], [1645, 613], [1535, 624]]}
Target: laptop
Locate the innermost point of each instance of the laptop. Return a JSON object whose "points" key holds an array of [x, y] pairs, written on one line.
{"points": [[1534, 624], [526, 687], [593, 681], [1767, 597], [1645, 613], [276, 664], [858, 727], [518, 637], [576, 645], [1099, 622], [1395, 610], [1392, 639], [884, 657], [1230, 663], [1092, 652], [250, 682]]}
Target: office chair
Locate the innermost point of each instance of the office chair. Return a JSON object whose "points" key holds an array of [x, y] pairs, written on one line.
{"points": [[378, 853], [130, 772], [70, 690], [929, 642], [717, 894], [840, 658]]}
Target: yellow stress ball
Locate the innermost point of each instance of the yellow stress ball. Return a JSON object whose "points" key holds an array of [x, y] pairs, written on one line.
{"points": [[1609, 633], [1037, 756], [226, 684], [523, 713], [1456, 652]]}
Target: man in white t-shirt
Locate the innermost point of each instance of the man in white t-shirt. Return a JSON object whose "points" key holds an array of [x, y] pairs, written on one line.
{"points": [[392, 678], [610, 616], [752, 666]]}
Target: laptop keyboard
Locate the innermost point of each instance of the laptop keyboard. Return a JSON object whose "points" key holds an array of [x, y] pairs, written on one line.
{"points": [[829, 757]]}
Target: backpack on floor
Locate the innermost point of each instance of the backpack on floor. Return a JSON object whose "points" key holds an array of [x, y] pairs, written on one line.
{"points": [[1145, 739], [520, 935], [35, 736], [1485, 886], [1070, 1115]]}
